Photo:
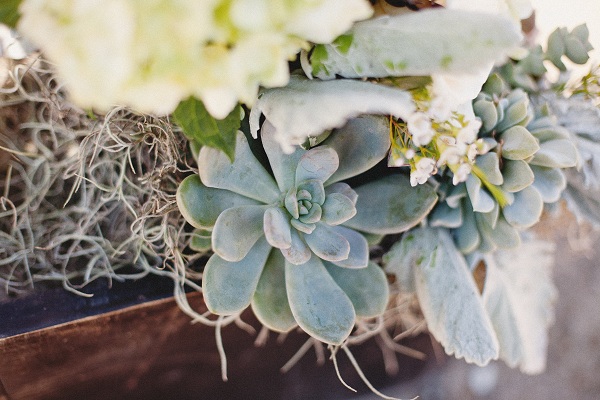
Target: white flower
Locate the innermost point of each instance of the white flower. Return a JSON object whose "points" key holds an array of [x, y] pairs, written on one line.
{"points": [[451, 155], [419, 126], [468, 133], [462, 173], [151, 54], [424, 168]]}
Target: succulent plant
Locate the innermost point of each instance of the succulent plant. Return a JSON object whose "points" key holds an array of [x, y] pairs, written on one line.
{"points": [[510, 184], [291, 244]]}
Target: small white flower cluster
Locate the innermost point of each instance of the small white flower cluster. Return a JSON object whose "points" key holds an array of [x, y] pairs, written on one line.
{"points": [[151, 54]]}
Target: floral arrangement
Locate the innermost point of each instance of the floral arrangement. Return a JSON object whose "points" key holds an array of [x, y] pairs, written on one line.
{"points": [[316, 161]]}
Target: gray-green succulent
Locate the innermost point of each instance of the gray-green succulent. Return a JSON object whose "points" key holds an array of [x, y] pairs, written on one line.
{"points": [[290, 244]]}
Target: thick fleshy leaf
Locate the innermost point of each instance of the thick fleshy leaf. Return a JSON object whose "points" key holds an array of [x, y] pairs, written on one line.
{"points": [[443, 216], [299, 252], [556, 154], [236, 231], [360, 145], [359, 248], [441, 41], [327, 243], [337, 209], [283, 165], [526, 210], [228, 287], [450, 300], [391, 205], [277, 228], [467, 235], [517, 175], [315, 188], [367, 288], [502, 235], [518, 143], [490, 165], [518, 296], [245, 176], [481, 200], [319, 305], [550, 182], [270, 303], [201, 205], [307, 108], [318, 163], [201, 240], [342, 188]]}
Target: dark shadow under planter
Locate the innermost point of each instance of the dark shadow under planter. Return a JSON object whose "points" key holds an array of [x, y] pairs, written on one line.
{"points": [[133, 342]]}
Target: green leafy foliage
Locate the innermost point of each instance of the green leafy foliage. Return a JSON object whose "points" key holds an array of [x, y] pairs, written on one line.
{"points": [[201, 127], [9, 12]]}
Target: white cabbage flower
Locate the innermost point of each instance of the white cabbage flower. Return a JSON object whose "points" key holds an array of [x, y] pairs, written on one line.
{"points": [[150, 54]]}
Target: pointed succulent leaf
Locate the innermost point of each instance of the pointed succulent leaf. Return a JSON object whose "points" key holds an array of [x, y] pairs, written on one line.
{"points": [[481, 200], [228, 287], [307, 108], [490, 166], [444, 216], [318, 163], [556, 48], [550, 182], [236, 231], [391, 205], [514, 114], [467, 236], [342, 188], [556, 154], [576, 51], [367, 288], [245, 176], [517, 175], [327, 243], [359, 248], [337, 209], [299, 252], [201, 205], [283, 165], [450, 299], [277, 228], [526, 210], [270, 302], [486, 110], [518, 143], [456, 41], [318, 304], [360, 144]]}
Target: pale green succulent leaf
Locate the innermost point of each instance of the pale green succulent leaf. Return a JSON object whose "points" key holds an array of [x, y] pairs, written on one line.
{"points": [[318, 163], [467, 235], [360, 144], [319, 305], [515, 114], [481, 200], [504, 235], [518, 143], [490, 165], [245, 176], [337, 209], [277, 228], [342, 188], [526, 209], [550, 182], [441, 40], [391, 205], [237, 230], [270, 302], [486, 110], [201, 240], [328, 244], [575, 50], [315, 188], [517, 175], [559, 153], [367, 288], [444, 216], [282, 164], [359, 248], [228, 287], [201, 205], [299, 252]]}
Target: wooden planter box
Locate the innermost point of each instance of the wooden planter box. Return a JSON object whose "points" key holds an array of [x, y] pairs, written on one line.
{"points": [[133, 342]]}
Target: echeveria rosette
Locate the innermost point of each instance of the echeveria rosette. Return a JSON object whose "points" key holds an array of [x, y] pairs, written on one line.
{"points": [[290, 244]]}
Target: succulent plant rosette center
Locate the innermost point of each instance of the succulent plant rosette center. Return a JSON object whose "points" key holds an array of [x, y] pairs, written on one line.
{"points": [[291, 244]]}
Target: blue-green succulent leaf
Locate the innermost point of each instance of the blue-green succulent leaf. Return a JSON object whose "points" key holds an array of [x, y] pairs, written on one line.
{"points": [[556, 154], [504, 235], [481, 200], [282, 164], [201, 240], [299, 252], [518, 143], [391, 205], [467, 236], [550, 182], [490, 165], [315, 188], [360, 145], [517, 175], [359, 248], [328, 244], [270, 302], [367, 288], [245, 176], [277, 228], [342, 188], [526, 210], [444, 216], [319, 305], [302, 227], [228, 287], [201, 205], [486, 110], [337, 209], [313, 216], [236, 231], [318, 163]]}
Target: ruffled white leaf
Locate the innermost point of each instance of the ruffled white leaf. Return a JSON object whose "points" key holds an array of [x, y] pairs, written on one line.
{"points": [[423, 43], [236, 231], [308, 108], [318, 304], [518, 296]]}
